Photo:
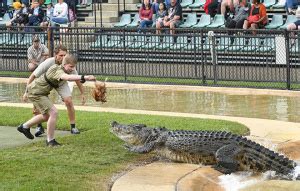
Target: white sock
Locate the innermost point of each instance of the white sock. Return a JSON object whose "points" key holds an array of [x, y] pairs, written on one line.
{"points": [[25, 126], [49, 139]]}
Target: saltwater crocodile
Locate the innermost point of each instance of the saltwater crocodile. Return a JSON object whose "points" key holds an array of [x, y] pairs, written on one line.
{"points": [[227, 152]]}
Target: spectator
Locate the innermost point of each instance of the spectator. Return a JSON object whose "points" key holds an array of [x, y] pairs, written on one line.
{"points": [[60, 13], [257, 18], [291, 5], [36, 54], [49, 15], [240, 15], [145, 13], [71, 9], [161, 13], [228, 5], [20, 15], [211, 7], [295, 25], [173, 18], [36, 14], [3, 8]]}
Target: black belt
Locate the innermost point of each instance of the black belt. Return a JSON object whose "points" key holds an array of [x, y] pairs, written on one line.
{"points": [[49, 82]]}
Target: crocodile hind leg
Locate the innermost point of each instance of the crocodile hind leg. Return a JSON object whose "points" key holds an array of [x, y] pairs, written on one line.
{"points": [[226, 162]]}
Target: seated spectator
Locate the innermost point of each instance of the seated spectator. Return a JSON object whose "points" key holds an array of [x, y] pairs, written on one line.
{"points": [[291, 6], [60, 13], [36, 54], [295, 25], [173, 18], [240, 15], [161, 13], [20, 15], [228, 5], [48, 17], [211, 7], [145, 13], [257, 18], [36, 14], [3, 9], [71, 9]]}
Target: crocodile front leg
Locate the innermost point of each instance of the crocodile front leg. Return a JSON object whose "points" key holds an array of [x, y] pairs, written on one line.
{"points": [[226, 162], [141, 149]]}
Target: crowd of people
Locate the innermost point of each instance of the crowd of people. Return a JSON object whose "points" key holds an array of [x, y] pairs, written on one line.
{"points": [[239, 14], [39, 13]]}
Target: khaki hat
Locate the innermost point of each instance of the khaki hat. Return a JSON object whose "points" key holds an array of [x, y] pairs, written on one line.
{"points": [[17, 5]]}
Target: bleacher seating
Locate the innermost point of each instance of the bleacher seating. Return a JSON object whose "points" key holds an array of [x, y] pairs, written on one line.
{"points": [[279, 5], [289, 19], [204, 21], [89, 2], [191, 20], [186, 3], [197, 4], [135, 21], [218, 21], [5, 19], [277, 21], [124, 20], [269, 3]]}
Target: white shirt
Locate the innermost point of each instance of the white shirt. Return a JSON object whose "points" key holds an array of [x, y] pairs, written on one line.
{"points": [[60, 10]]}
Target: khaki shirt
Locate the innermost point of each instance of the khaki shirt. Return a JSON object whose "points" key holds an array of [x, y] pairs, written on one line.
{"points": [[36, 54], [40, 87]]}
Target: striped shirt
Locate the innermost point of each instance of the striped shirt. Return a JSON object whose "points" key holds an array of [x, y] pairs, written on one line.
{"points": [[36, 54]]}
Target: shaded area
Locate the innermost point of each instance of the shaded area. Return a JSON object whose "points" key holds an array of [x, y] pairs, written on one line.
{"points": [[10, 137]]}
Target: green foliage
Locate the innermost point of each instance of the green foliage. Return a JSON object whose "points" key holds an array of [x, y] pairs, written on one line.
{"points": [[86, 161]]}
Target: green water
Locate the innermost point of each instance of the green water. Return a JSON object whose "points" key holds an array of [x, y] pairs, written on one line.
{"points": [[256, 106]]}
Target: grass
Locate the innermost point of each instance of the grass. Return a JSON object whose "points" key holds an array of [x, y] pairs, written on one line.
{"points": [[86, 161]]}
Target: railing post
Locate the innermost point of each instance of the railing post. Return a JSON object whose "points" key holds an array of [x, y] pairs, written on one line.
{"points": [[50, 40], [124, 55], [95, 12], [202, 60], [288, 66], [211, 37]]}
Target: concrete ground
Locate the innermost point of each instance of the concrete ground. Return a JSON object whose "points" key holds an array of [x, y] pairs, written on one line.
{"points": [[10, 137]]}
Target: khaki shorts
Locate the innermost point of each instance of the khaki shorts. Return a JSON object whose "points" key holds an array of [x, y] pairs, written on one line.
{"points": [[42, 103], [64, 90]]}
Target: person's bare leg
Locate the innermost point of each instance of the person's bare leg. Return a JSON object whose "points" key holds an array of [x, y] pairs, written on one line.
{"points": [[70, 108], [158, 28], [36, 120], [172, 28], [51, 123]]}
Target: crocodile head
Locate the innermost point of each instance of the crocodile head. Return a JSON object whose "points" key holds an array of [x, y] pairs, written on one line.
{"points": [[135, 134]]}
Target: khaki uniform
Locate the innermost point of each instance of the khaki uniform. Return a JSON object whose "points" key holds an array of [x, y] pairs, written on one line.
{"points": [[39, 89], [64, 90]]}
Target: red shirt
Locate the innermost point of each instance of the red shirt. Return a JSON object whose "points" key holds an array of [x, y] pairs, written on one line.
{"points": [[146, 13]]}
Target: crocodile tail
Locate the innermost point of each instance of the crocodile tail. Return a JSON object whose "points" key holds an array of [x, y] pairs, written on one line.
{"points": [[264, 159]]}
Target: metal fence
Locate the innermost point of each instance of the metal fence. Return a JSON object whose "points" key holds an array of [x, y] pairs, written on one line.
{"points": [[236, 58]]}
